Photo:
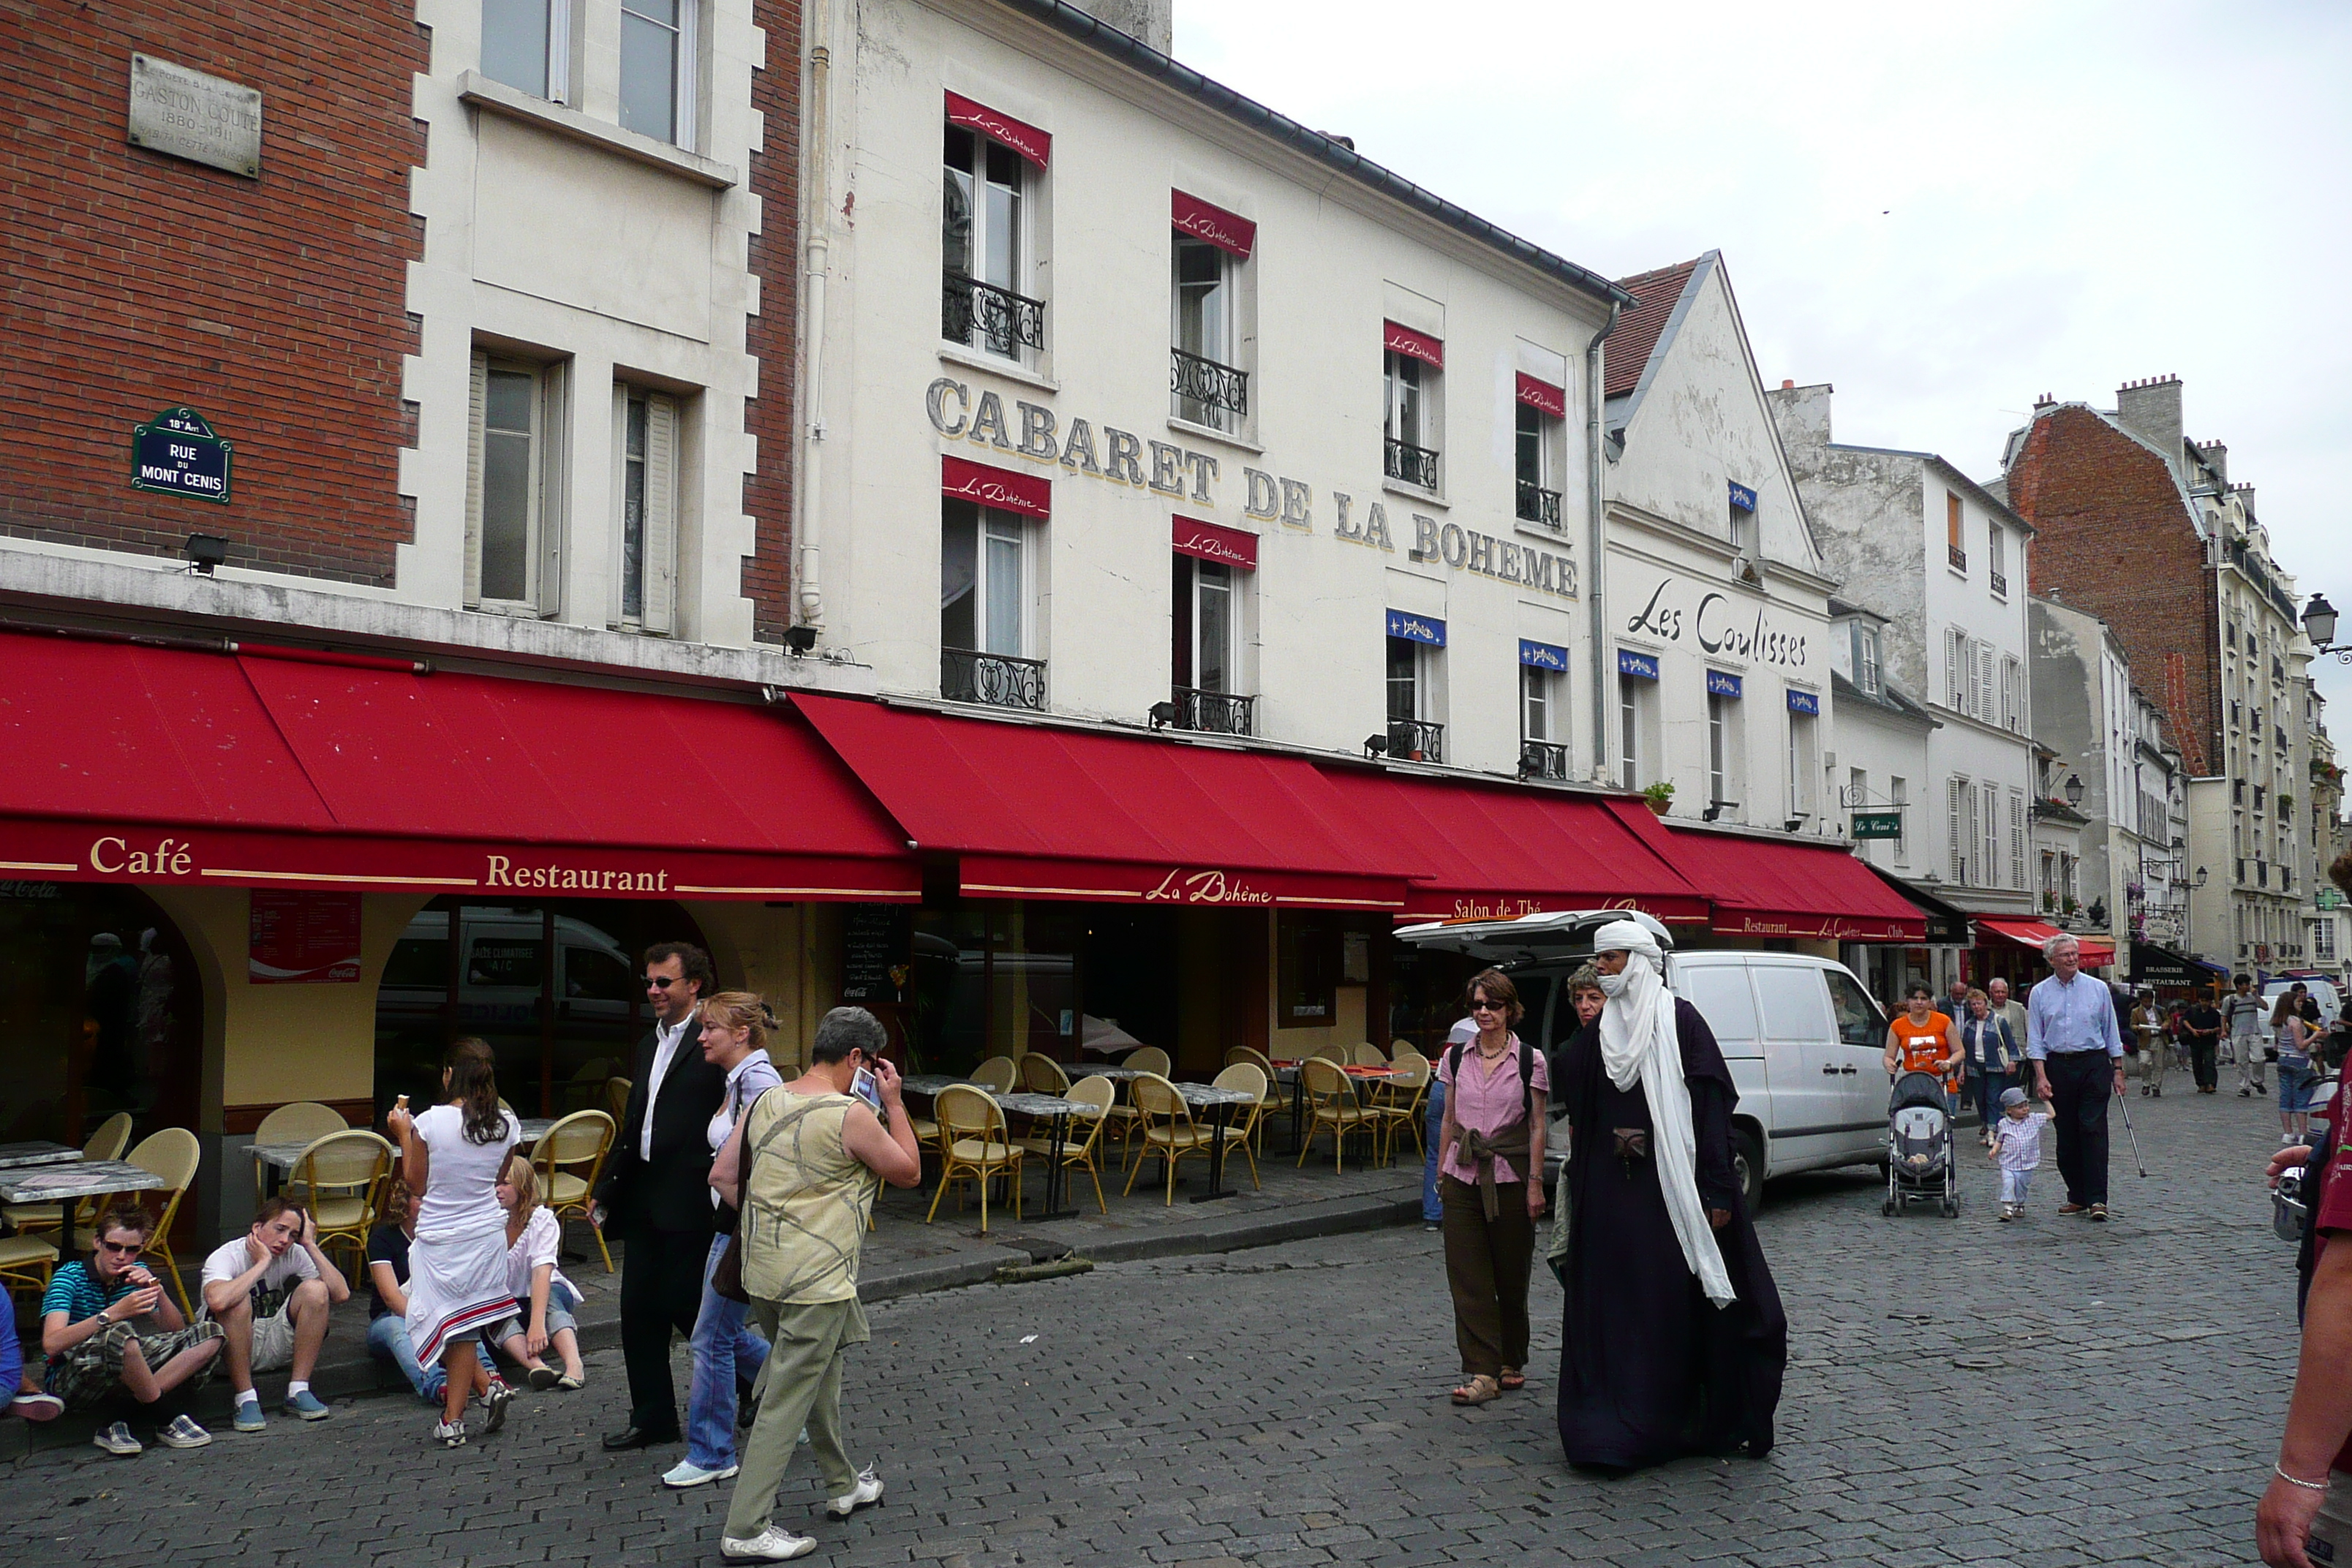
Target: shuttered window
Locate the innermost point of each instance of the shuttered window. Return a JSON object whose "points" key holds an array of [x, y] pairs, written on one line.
{"points": [[1957, 801], [649, 447], [2017, 839], [1988, 821], [514, 487], [1956, 669]]}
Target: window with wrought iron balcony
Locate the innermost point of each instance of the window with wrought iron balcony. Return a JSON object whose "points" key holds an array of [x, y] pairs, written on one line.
{"points": [[1208, 612], [1409, 424], [982, 306], [1540, 756], [985, 613], [1204, 386], [1412, 694], [1538, 440]]}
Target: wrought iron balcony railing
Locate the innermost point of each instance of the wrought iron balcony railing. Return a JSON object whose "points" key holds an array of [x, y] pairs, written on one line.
{"points": [[1416, 741], [1543, 759], [1412, 465], [1005, 322], [997, 679], [1960, 557], [1537, 504], [1999, 583], [1207, 392], [1214, 712]]}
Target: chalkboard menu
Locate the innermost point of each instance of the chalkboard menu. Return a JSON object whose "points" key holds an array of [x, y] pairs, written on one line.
{"points": [[875, 943]]}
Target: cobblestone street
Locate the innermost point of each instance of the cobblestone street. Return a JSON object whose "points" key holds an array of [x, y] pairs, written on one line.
{"points": [[1286, 1406]]}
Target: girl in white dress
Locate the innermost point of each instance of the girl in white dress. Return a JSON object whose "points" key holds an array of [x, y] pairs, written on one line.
{"points": [[457, 1264]]}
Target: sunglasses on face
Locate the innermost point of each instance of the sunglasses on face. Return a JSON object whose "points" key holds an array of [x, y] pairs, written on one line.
{"points": [[123, 1248], [655, 982], [1482, 1005]]}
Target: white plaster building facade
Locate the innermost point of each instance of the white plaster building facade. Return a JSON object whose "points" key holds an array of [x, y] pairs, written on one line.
{"points": [[1716, 607]]}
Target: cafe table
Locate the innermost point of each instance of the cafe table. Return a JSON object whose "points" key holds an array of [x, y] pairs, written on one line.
{"points": [[1221, 1104], [1294, 1073], [38, 1153], [66, 1184], [1052, 1107], [278, 1160]]}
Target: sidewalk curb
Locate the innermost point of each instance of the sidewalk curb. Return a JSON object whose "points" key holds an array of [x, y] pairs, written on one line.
{"points": [[362, 1376]]}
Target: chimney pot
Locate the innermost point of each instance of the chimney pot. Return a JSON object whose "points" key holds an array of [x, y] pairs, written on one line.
{"points": [[1786, 384]]}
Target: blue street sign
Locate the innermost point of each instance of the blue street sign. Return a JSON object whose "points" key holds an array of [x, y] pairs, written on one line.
{"points": [[176, 453]]}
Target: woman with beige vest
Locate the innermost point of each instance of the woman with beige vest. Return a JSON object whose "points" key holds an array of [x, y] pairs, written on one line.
{"points": [[803, 1164]]}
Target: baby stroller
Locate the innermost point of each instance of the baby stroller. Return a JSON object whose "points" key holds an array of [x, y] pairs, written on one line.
{"points": [[1919, 1146]]}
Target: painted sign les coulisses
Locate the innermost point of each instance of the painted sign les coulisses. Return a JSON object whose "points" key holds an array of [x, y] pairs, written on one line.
{"points": [[1081, 450], [1718, 624]]}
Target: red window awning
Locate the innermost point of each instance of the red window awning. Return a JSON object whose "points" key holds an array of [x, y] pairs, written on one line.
{"points": [[2098, 952], [1023, 138], [1495, 851], [1413, 344], [1229, 232], [146, 764], [1543, 396], [1212, 542], [1034, 812], [1027, 494], [1762, 887]]}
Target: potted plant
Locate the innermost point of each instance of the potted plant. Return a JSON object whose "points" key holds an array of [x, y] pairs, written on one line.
{"points": [[1659, 796], [2073, 905], [2285, 801], [2049, 899]]}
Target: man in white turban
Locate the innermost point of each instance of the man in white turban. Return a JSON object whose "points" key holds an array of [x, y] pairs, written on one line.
{"points": [[1674, 1341]]}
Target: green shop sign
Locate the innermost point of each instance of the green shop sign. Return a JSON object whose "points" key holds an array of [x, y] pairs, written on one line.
{"points": [[1878, 825]]}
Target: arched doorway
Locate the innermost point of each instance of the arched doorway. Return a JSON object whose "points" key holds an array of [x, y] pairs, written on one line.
{"points": [[553, 987]]}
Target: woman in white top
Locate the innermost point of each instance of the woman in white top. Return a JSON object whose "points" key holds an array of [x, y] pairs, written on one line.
{"points": [[727, 1349], [457, 1265], [544, 1300]]}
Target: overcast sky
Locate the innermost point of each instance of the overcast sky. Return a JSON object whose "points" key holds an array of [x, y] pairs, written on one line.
{"points": [[1944, 212]]}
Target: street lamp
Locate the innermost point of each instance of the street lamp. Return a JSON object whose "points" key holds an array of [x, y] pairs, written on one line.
{"points": [[2074, 791], [2319, 626]]}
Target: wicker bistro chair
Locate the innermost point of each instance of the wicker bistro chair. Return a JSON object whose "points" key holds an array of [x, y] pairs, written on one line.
{"points": [[1369, 1055], [1275, 1101], [345, 1174], [1339, 1054], [1331, 1105], [998, 1074], [974, 1145], [1244, 1127], [1084, 1135], [1164, 1128], [26, 1263], [617, 1098], [174, 1156], [113, 1136], [1148, 1058], [569, 1158], [1397, 1104], [1041, 1074], [304, 1121]]}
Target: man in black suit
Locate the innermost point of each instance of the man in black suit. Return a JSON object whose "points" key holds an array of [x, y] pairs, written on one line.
{"points": [[655, 1190]]}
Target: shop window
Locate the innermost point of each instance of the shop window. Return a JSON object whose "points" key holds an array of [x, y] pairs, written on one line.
{"points": [[999, 978], [527, 44], [984, 619], [985, 305], [1206, 384], [659, 68], [649, 510], [1309, 953], [514, 487]]}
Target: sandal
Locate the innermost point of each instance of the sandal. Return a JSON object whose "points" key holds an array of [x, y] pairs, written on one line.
{"points": [[1512, 1380], [1480, 1390]]}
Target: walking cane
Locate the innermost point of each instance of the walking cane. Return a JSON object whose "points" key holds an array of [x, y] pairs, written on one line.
{"points": [[2131, 1135]]}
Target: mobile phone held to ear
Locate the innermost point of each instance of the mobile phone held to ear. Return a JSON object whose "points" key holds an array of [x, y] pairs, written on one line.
{"points": [[865, 1088]]}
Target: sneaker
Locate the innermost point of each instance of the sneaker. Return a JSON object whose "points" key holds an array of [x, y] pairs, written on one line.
{"points": [[543, 1378], [36, 1407], [118, 1441], [449, 1433], [2007, 1214], [2099, 1213], [867, 1492], [184, 1433], [494, 1405], [771, 1545], [306, 1405], [249, 1416], [686, 1473]]}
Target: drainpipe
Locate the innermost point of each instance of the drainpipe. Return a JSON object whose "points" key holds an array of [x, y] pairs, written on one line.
{"points": [[819, 209], [1596, 623]]}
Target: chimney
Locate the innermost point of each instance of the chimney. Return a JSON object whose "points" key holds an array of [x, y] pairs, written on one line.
{"points": [[2217, 457], [2245, 494], [1153, 21], [1802, 413], [2150, 409]]}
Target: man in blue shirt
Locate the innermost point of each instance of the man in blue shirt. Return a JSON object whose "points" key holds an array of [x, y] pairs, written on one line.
{"points": [[2078, 1056]]}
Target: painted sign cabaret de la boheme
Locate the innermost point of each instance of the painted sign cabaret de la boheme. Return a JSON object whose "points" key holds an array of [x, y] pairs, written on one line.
{"points": [[1187, 477]]}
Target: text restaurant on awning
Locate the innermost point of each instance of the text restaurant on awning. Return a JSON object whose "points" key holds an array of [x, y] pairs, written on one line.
{"points": [[1479, 851], [269, 768], [1033, 812], [2098, 952], [1761, 887]]}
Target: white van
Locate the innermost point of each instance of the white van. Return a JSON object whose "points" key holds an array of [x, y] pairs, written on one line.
{"points": [[2331, 1005], [1805, 1041]]}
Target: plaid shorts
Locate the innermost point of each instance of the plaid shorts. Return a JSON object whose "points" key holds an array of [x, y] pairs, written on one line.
{"points": [[84, 1375]]}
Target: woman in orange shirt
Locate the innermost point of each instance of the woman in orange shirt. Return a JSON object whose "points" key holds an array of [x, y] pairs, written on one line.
{"points": [[1921, 1039]]}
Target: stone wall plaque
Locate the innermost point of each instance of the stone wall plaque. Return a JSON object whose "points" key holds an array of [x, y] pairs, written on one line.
{"points": [[188, 114]]}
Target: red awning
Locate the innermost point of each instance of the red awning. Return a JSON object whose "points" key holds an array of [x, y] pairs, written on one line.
{"points": [[1213, 542], [1494, 851], [1034, 812], [1229, 232], [2098, 952], [1413, 344], [1542, 395], [1763, 887], [1021, 136], [1027, 494], [146, 764]]}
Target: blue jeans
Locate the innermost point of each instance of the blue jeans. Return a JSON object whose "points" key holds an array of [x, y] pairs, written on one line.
{"points": [[2293, 1086], [724, 1344], [1990, 1087], [1432, 1212], [388, 1341]]}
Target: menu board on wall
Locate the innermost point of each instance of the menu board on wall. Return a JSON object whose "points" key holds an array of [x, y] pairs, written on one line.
{"points": [[303, 939], [874, 942]]}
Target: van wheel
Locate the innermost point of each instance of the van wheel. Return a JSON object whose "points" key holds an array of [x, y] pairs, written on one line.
{"points": [[1748, 1164]]}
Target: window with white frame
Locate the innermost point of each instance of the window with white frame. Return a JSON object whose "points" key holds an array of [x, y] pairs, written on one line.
{"points": [[649, 448], [1415, 700], [1631, 693], [1409, 385], [1961, 806], [1801, 753], [983, 580], [984, 248], [527, 44], [1209, 387], [1989, 819], [1958, 664], [2013, 694], [1866, 674], [2017, 832], [1727, 755], [1899, 794], [514, 489], [1536, 442], [1997, 558], [1207, 606], [1537, 699], [658, 58]]}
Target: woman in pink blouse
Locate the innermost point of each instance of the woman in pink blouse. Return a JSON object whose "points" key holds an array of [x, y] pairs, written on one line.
{"points": [[1490, 1179]]}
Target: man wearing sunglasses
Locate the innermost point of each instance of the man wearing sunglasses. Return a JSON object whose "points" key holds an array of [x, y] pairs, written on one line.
{"points": [[91, 1320], [654, 1194]]}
